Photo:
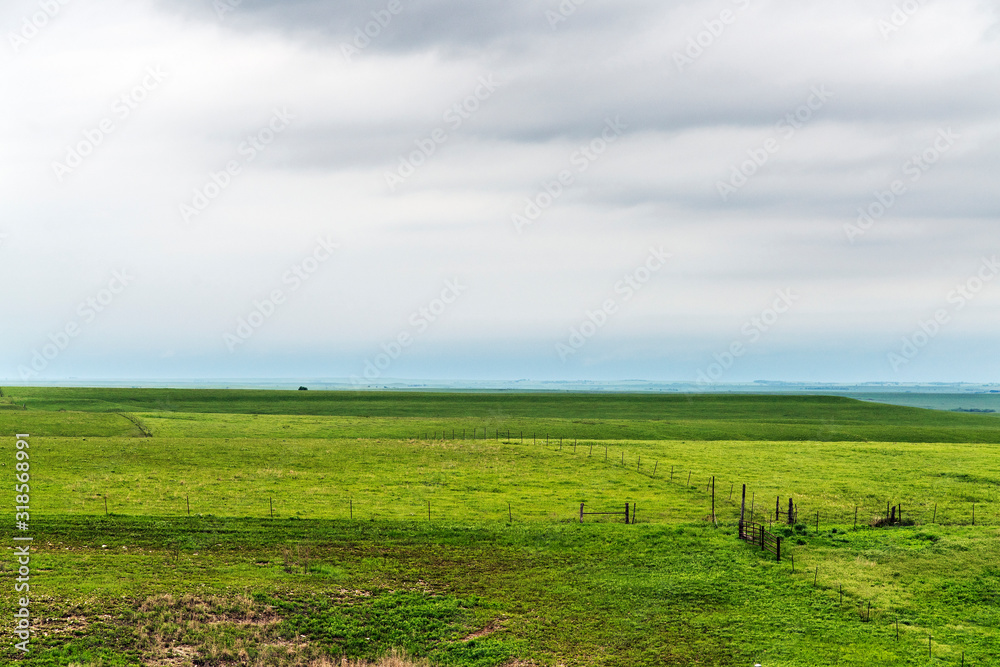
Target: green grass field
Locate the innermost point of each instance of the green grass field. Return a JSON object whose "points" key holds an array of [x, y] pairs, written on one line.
{"points": [[285, 528]]}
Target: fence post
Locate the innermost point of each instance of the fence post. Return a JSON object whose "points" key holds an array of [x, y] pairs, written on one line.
{"points": [[743, 507], [626, 513], [790, 509], [713, 502], [581, 512], [778, 553]]}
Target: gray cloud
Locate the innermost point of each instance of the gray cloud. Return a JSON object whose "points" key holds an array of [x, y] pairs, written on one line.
{"points": [[690, 124]]}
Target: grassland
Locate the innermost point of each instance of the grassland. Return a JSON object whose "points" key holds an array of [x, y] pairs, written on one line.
{"points": [[392, 531]]}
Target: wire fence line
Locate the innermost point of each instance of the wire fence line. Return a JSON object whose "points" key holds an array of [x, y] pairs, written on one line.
{"points": [[457, 504]]}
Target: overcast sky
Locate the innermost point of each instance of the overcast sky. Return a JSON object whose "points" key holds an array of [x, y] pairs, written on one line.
{"points": [[597, 189]]}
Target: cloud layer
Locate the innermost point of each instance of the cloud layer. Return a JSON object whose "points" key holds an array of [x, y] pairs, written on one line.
{"points": [[536, 154]]}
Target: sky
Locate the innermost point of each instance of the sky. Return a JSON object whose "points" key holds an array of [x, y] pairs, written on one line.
{"points": [[712, 191]]}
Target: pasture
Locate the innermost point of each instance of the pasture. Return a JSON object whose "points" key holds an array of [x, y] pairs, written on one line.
{"points": [[211, 527]]}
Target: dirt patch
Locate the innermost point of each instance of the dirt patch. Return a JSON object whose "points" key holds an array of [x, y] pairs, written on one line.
{"points": [[491, 627]]}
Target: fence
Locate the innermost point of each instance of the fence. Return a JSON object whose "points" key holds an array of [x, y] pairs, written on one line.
{"points": [[758, 535], [625, 513]]}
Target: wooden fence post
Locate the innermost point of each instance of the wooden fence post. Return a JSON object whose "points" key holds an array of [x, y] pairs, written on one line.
{"points": [[714, 520], [791, 509], [626, 512], [743, 507], [581, 512], [778, 554]]}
